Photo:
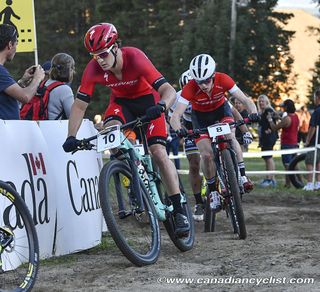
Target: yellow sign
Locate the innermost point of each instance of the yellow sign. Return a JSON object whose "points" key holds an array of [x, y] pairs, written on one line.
{"points": [[20, 14]]}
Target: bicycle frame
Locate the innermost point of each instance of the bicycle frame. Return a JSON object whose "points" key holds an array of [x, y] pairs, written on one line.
{"points": [[134, 157]]}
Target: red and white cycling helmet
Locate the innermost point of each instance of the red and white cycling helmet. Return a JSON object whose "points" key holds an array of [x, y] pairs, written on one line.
{"points": [[184, 78], [100, 37], [202, 67]]}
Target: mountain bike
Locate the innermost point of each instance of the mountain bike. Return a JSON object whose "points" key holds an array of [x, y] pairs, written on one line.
{"points": [[19, 247], [133, 198], [228, 177]]}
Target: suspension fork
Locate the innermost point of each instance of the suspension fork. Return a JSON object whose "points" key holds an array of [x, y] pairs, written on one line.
{"points": [[135, 186]]}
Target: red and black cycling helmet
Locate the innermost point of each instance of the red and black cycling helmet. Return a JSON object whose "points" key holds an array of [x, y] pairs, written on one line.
{"points": [[100, 37]]}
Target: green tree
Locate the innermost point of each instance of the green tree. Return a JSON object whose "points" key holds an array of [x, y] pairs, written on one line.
{"points": [[315, 81], [262, 57], [264, 62]]}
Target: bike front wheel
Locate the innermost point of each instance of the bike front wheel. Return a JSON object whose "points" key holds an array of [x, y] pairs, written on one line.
{"points": [[182, 243], [234, 207], [136, 233], [19, 247], [209, 216]]}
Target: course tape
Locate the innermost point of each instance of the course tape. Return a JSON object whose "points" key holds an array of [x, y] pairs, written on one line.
{"points": [[262, 153]]}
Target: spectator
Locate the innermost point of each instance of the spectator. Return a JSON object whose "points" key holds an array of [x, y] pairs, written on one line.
{"points": [[289, 136], [244, 114], [304, 118], [267, 138], [61, 97], [46, 67], [11, 92], [310, 141]]}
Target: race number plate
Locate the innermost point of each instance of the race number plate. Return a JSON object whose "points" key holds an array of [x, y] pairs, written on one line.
{"points": [[109, 139], [219, 130], [139, 148]]}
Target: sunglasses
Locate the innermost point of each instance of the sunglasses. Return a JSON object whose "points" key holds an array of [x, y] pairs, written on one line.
{"points": [[103, 54], [205, 81]]}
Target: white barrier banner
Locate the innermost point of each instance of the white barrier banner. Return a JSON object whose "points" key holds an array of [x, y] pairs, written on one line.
{"points": [[25, 165], [79, 217]]}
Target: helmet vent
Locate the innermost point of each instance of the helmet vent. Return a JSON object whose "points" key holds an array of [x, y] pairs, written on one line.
{"points": [[205, 72], [199, 66], [100, 38]]}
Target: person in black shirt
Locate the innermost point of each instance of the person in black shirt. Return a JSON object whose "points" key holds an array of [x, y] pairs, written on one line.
{"points": [[310, 141], [267, 138]]}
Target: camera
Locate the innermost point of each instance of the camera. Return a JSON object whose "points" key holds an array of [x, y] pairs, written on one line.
{"points": [[32, 69], [277, 115]]}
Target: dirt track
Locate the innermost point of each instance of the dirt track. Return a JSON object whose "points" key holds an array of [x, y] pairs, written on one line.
{"points": [[283, 242]]}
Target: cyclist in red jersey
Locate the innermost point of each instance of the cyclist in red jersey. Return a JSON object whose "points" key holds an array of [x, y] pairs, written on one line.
{"points": [[206, 93], [137, 89]]}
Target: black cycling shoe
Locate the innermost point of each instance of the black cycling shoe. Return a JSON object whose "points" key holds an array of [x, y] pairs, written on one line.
{"points": [[182, 225]]}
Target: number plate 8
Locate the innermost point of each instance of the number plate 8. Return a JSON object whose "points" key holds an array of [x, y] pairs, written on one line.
{"points": [[219, 130]]}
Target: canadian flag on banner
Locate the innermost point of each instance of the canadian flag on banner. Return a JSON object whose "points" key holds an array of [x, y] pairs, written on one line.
{"points": [[37, 163]]}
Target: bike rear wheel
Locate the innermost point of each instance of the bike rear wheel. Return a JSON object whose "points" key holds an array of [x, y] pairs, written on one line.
{"points": [[19, 247], [136, 234], [209, 216], [182, 243], [231, 182], [298, 163]]}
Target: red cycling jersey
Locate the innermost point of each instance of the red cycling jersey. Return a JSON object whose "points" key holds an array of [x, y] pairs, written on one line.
{"points": [[138, 76], [201, 101]]}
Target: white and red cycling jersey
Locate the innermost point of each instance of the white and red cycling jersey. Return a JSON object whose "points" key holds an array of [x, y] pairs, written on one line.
{"points": [[201, 101]]}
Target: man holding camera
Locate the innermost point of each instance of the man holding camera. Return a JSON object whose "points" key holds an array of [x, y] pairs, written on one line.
{"points": [[11, 92]]}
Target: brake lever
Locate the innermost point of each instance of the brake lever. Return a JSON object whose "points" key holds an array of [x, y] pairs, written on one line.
{"points": [[83, 145]]}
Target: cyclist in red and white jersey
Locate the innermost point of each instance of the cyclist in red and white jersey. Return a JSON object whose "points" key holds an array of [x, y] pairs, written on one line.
{"points": [[206, 93], [137, 89]]}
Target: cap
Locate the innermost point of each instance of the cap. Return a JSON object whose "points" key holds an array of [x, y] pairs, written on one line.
{"points": [[46, 65], [287, 102]]}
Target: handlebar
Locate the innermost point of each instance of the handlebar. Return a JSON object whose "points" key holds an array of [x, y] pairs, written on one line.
{"points": [[197, 132], [85, 144]]}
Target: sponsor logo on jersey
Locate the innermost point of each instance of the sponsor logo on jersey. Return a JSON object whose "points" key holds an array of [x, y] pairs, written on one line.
{"points": [[151, 128], [106, 76], [124, 83]]}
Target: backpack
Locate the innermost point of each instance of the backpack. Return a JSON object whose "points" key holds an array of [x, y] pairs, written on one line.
{"points": [[37, 107]]}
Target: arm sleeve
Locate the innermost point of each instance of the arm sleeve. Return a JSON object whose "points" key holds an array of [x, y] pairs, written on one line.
{"points": [[227, 83], [87, 85], [148, 70]]}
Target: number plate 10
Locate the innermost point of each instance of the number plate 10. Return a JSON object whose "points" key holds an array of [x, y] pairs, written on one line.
{"points": [[109, 139], [219, 130]]}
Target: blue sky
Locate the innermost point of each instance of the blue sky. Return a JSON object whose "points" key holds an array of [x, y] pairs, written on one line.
{"points": [[306, 5]]}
